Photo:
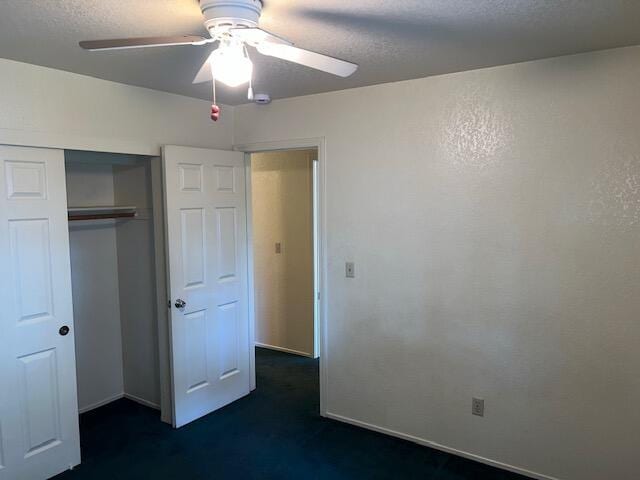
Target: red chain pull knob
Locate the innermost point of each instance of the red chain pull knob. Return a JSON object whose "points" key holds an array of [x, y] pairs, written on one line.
{"points": [[215, 112]]}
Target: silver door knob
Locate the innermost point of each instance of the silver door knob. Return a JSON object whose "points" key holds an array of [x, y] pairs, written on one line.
{"points": [[180, 303]]}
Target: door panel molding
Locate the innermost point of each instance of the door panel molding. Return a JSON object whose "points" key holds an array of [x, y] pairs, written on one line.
{"points": [[205, 209], [39, 434]]}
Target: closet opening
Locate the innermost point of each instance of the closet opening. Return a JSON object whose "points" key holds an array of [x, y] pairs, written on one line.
{"points": [[116, 241]]}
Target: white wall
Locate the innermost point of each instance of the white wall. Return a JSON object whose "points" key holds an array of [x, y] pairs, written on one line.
{"points": [[137, 289], [494, 219], [282, 209], [50, 108], [94, 277]]}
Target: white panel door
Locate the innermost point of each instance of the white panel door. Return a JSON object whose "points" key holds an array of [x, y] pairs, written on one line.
{"points": [[38, 405], [207, 249]]}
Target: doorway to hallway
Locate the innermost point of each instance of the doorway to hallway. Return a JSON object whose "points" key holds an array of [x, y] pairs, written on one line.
{"points": [[284, 245]]}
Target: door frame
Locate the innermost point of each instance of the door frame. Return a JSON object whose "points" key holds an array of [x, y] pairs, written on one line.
{"points": [[320, 320]]}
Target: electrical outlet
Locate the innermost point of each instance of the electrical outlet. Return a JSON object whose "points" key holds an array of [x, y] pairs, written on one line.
{"points": [[477, 407], [350, 270]]}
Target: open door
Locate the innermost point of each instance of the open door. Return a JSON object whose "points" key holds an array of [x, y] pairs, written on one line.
{"points": [[39, 435], [207, 266]]}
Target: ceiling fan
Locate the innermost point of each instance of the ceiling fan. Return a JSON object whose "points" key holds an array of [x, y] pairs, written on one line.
{"points": [[233, 25]]}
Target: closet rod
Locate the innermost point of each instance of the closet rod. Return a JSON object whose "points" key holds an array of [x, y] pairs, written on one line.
{"points": [[99, 216]]}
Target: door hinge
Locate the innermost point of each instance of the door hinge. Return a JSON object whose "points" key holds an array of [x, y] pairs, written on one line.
{"points": [[169, 304]]}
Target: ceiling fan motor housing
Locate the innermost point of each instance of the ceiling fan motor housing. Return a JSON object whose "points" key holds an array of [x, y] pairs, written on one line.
{"points": [[221, 15]]}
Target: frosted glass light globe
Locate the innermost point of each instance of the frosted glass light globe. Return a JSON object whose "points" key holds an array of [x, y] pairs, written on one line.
{"points": [[230, 66]]}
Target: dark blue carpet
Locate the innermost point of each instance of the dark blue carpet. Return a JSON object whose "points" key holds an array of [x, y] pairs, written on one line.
{"points": [[274, 433]]}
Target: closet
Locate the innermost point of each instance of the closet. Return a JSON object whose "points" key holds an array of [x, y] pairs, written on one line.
{"points": [[84, 290], [114, 280]]}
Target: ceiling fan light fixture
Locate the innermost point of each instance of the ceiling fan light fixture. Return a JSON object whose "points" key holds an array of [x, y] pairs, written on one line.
{"points": [[230, 65], [233, 25]]}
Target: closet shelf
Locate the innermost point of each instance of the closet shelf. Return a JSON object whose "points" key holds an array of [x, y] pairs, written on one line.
{"points": [[100, 212]]}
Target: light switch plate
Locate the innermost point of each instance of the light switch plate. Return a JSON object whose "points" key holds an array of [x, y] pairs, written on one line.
{"points": [[477, 407], [350, 270]]}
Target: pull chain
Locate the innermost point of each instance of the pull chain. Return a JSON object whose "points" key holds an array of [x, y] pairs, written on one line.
{"points": [[250, 92], [215, 109]]}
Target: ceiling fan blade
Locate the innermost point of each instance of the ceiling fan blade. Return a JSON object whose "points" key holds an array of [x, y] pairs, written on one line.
{"points": [[255, 36], [204, 74], [143, 42], [325, 63]]}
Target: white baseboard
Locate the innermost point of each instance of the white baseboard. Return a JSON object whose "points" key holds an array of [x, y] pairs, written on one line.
{"points": [[101, 403], [141, 401], [118, 396], [437, 446], [282, 349]]}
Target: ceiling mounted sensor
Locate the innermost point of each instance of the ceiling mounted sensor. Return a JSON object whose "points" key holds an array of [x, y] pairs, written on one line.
{"points": [[233, 26], [262, 99]]}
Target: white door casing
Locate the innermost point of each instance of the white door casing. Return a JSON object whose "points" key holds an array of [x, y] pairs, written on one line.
{"points": [[39, 434], [320, 210], [207, 266], [316, 261]]}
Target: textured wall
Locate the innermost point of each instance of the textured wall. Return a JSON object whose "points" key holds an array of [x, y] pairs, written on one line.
{"points": [[282, 189], [494, 218]]}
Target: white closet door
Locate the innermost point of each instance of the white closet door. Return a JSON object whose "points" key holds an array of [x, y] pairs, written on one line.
{"points": [[38, 405], [207, 248]]}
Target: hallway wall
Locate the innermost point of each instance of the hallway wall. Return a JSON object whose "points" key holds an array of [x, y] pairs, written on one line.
{"points": [[282, 188]]}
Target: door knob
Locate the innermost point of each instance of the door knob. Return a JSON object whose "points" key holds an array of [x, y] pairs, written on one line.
{"points": [[63, 330], [180, 303]]}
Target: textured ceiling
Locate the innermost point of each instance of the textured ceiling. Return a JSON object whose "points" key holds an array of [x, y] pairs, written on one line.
{"points": [[390, 39]]}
